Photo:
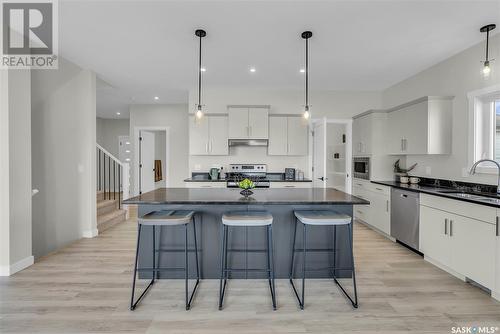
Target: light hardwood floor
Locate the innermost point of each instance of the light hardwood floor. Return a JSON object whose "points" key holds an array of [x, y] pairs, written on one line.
{"points": [[85, 288]]}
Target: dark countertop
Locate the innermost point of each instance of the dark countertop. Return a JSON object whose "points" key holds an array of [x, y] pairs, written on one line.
{"points": [[294, 196], [203, 178], [492, 200]]}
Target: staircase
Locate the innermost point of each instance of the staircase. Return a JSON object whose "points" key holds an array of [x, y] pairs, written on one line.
{"points": [[109, 212], [112, 188]]}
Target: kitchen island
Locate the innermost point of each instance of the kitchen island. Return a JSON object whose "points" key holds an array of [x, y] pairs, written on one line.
{"points": [[210, 204]]}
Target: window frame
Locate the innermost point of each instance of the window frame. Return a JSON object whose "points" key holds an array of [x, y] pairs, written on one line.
{"points": [[477, 99]]}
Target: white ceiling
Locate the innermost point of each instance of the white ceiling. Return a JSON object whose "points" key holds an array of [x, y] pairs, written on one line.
{"points": [[142, 49]]}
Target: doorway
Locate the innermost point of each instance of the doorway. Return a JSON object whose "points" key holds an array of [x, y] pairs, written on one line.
{"points": [[151, 160], [332, 154]]}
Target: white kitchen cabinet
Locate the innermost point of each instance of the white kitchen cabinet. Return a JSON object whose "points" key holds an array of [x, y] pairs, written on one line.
{"points": [[369, 133], [298, 135], [208, 135], [378, 213], [422, 126], [278, 136], [248, 123], [288, 135], [291, 185], [465, 246], [495, 293]]}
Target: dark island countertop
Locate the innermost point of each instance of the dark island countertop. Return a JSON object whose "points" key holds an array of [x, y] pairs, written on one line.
{"points": [[268, 196], [487, 199]]}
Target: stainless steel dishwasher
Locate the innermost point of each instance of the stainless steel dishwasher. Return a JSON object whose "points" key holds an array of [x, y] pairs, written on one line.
{"points": [[405, 217]]}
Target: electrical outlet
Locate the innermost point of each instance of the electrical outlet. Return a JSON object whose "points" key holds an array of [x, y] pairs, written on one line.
{"points": [[428, 170]]}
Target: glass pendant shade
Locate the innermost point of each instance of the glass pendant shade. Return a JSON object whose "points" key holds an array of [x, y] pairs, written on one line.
{"points": [[306, 113]]}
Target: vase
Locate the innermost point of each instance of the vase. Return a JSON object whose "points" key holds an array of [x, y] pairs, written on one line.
{"points": [[246, 192]]}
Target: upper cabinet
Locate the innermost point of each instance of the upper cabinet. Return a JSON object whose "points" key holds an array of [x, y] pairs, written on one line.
{"points": [[368, 133], [208, 135], [288, 135], [422, 126], [248, 122]]}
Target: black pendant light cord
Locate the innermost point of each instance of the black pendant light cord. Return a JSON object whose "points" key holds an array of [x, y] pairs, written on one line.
{"points": [[306, 35], [487, 29], [200, 33], [487, 43]]}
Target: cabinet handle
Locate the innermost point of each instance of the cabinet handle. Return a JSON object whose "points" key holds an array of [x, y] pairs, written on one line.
{"points": [[379, 189], [445, 226], [289, 186], [451, 228], [206, 147], [289, 148], [496, 226]]}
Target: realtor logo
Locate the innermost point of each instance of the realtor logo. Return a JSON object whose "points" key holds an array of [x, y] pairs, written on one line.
{"points": [[29, 34]]}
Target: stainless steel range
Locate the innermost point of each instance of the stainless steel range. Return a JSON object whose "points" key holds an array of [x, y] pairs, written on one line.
{"points": [[255, 172]]}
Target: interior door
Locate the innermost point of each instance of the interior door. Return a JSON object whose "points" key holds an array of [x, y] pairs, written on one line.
{"points": [[146, 161], [319, 154], [336, 156]]}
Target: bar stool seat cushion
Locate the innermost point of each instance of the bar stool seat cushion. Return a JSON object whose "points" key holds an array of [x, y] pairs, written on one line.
{"points": [[247, 218], [323, 217], [166, 218]]}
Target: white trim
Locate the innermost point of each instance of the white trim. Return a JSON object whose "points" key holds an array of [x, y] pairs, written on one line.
{"points": [[90, 233], [495, 295], [135, 160], [16, 267], [474, 97], [109, 154], [445, 268]]}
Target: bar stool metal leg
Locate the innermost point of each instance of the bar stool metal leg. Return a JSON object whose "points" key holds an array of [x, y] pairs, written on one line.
{"points": [[304, 251], [354, 301], [271, 264], [154, 273], [189, 299], [293, 250], [304, 235], [132, 303], [223, 265]]}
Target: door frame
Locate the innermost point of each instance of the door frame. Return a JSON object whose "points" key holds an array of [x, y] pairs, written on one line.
{"points": [[136, 154], [348, 123]]}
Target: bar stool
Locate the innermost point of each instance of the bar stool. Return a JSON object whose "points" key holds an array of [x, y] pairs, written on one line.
{"points": [[246, 219], [323, 218], [164, 218]]}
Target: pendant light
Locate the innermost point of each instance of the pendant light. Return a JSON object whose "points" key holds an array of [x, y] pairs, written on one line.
{"points": [[306, 113], [486, 64], [199, 110]]}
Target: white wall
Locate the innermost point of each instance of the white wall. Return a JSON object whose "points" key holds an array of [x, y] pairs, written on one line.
{"points": [[329, 104], [64, 156], [175, 118], [107, 132], [455, 76], [15, 171]]}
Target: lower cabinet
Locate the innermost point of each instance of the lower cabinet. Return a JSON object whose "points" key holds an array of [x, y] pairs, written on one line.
{"points": [[378, 213], [466, 245]]}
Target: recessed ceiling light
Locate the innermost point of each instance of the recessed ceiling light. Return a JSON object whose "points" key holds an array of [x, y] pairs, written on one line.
{"points": [[203, 69], [128, 159], [127, 143], [127, 151], [118, 113], [252, 69], [157, 98], [302, 70]]}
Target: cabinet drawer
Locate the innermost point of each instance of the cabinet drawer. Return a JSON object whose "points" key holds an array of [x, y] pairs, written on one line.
{"points": [[291, 184], [379, 189], [462, 208]]}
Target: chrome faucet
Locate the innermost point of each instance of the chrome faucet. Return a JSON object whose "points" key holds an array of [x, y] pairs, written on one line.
{"points": [[473, 171]]}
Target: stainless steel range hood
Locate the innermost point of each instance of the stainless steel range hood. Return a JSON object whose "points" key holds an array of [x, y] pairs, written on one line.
{"points": [[248, 142]]}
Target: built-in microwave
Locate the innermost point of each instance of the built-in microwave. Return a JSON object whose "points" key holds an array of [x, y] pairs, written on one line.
{"points": [[361, 168]]}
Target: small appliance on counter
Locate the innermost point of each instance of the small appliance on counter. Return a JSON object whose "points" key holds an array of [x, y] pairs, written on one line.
{"points": [[214, 173], [289, 173]]}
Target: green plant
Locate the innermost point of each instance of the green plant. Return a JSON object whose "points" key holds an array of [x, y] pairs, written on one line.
{"points": [[246, 184]]}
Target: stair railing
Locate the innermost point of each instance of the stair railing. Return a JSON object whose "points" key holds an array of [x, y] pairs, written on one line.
{"points": [[112, 175]]}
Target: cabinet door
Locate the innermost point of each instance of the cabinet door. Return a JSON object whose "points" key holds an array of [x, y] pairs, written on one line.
{"points": [[397, 124], [298, 136], [434, 235], [381, 212], [356, 136], [258, 124], [362, 212], [238, 123], [278, 142], [198, 136], [415, 128], [218, 135], [473, 244]]}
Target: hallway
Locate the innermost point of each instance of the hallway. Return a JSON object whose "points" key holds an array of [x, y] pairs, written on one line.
{"points": [[85, 287]]}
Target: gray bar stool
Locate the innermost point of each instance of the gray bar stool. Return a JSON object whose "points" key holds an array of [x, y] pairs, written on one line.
{"points": [[323, 218], [162, 219], [246, 219]]}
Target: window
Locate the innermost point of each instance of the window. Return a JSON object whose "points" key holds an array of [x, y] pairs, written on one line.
{"points": [[484, 141]]}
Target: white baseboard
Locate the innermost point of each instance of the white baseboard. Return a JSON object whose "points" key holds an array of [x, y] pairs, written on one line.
{"points": [[495, 295], [90, 233], [445, 268], [18, 266]]}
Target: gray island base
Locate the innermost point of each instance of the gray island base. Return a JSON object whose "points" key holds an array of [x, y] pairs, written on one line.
{"points": [[210, 204]]}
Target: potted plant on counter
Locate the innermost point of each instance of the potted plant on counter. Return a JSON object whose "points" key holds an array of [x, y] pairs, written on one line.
{"points": [[246, 185]]}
